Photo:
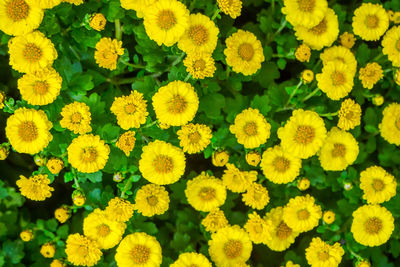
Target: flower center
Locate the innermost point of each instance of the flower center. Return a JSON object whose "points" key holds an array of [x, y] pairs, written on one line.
{"points": [[28, 131], [140, 254], [323, 255], [177, 104], [258, 228], [32, 52], [89, 154], [378, 185], [250, 128], [163, 164], [320, 28], [207, 193], [349, 115], [398, 124], [130, 108], [304, 134], [41, 87], [339, 150], [103, 230], [199, 65], [194, 137], [306, 5], [166, 19], [233, 248], [373, 225], [372, 21], [303, 214], [338, 78], [246, 51], [283, 231], [76, 117], [152, 200], [281, 164], [198, 34], [17, 10]]}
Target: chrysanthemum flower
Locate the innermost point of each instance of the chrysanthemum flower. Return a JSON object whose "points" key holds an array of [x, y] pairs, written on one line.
{"points": [[97, 22], [372, 225], [349, 115], [370, 74], [162, 163], [214, 220], [194, 138], [35, 187], [347, 40], [138, 5], [303, 53], [303, 184], [88, 153], [370, 21], [81, 250], [28, 130], [220, 158], [76, 117], [62, 214], [307, 76], [253, 158], [191, 259], [328, 217], [378, 100], [256, 196], [139, 249], [237, 181], [244, 52], [377, 184], [126, 142], [233, 8], [391, 45], [200, 65], [259, 230], [390, 125], [166, 21], [151, 199], [307, 13], [251, 128], [107, 52], [229, 246], [320, 253], [31, 52], [341, 54], [119, 209], [176, 103], [48, 4], [48, 250]]}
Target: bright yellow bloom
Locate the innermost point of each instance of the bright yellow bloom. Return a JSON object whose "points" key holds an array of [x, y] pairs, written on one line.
{"points": [[238, 181], [166, 21], [320, 254], [370, 21], [35, 187], [76, 117], [138, 5], [307, 76], [340, 54], [321, 35], [75, 2], [4, 151], [106, 231], [191, 259], [306, 13], [48, 250], [118, 177], [303, 184], [214, 220], [131, 110], [55, 165], [391, 45], [39, 160], [291, 264], [377, 184], [2, 99], [78, 198], [126, 142], [28, 130], [253, 158], [233, 8], [390, 125], [194, 138], [19, 17], [119, 209], [363, 263], [139, 249], [26, 235], [303, 53], [31, 52], [107, 52], [176, 103], [349, 115], [370, 74], [88, 153], [40, 87], [48, 4], [396, 80], [57, 263], [200, 65], [259, 230], [81, 250], [347, 40], [220, 158], [162, 163], [251, 128], [279, 166], [151, 199], [303, 134], [372, 225], [229, 246], [378, 100], [244, 52], [62, 214], [256, 196], [97, 22], [328, 217]]}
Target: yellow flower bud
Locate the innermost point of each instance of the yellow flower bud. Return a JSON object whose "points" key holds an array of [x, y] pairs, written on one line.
{"points": [[62, 214], [2, 99], [118, 177], [253, 158], [220, 158], [378, 100], [4, 151], [78, 198], [329, 217], [347, 40], [39, 161], [303, 184], [98, 22], [303, 53], [26, 235], [48, 250], [307, 76], [57, 263], [55, 165]]}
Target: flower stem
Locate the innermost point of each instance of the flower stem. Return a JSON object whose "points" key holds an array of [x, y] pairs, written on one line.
{"points": [[129, 182], [293, 93], [329, 114], [118, 32], [310, 95], [216, 12]]}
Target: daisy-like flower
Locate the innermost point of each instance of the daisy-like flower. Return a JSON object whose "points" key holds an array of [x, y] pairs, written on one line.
{"points": [[233, 8], [307, 13], [391, 45], [138, 5], [76, 117], [126, 142], [97, 22], [370, 21], [237, 181], [107, 52], [303, 53], [251, 128], [259, 230], [214, 220], [191, 259], [347, 40], [35, 187], [81, 250], [194, 138], [152, 199], [341, 54], [390, 125], [377, 184], [119, 209], [200, 65], [349, 115], [319, 253], [370, 75], [256, 196]]}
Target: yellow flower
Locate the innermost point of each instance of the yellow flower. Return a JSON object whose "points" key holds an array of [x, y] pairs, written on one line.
{"points": [[97, 22], [328, 217], [229, 246], [370, 74], [220, 158], [2, 99], [162, 163], [200, 36], [340, 149], [19, 17], [256, 196], [119, 209], [251, 128], [307, 76], [118, 177], [303, 53], [138, 5], [363, 263], [39, 160], [377, 184], [107, 52], [48, 250], [372, 225], [238, 181], [62, 214], [126, 142], [205, 193], [282, 236], [253, 158], [233, 8], [76, 117], [279, 166], [31, 52], [214, 220], [302, 214], [151, 199], [320, 253], [131, 110], [48, 4], [191, 259], [106, 231], [26, 235], [176, 103], [200, 65], [391, 45], [165, 21], [55, 165], [323, 34], [78, 198], [57, 263], [291, 264], [306, 13], [370, 21], [349, 115], [390, 125], [378, 100], [396, 80], [303, 184], [194, 138], [81, 250], [139, 249], [347, 40], [4, 151], [259, 230], [75, 2], [88, 153], [35, 187], [244, 52], [340, 54], [303, 134]]}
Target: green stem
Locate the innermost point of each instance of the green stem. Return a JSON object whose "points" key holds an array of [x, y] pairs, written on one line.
{"points": [[310, 95], [126, 80], [216, 12], [187, 78], [227, 71], [149, 125], [118, 32], [329, 114], [294, 92], [129, 182], [192, 5], [75, 180], [138, 66]]}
